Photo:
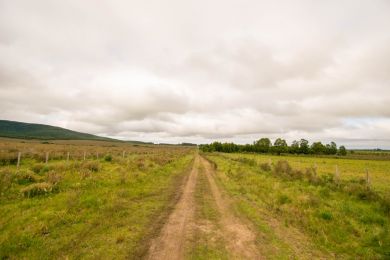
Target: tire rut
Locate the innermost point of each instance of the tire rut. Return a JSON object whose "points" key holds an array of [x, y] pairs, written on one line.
{"points": [[240, 239], [170, 244]]}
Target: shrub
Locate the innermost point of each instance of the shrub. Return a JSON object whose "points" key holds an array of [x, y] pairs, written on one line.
{"points": [[327, 178], [24, 177], [37, 189], [248, 161], [282, 168], [265, 167], [8, 161], [311, 176], [93, 166], [326, 215], [386, 202], [108, 158], [283, 199], [53, 177], [296, 174], [37, 168], [6, 178]]}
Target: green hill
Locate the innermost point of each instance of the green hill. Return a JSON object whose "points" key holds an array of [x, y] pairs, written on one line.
{"points": [[21, 130]]}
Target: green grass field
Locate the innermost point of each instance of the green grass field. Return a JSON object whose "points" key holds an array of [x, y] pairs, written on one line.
{"points": [[343, 217], [98, 208], [116, 201]]}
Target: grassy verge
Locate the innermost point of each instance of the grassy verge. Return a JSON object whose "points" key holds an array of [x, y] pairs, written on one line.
{"points": [[95, 209], [333, 219]]}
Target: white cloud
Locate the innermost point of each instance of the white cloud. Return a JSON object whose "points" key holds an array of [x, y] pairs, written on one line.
{"points": [[197, 71]]}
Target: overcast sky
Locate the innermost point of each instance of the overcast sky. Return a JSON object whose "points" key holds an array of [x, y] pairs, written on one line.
{"points": [[197, 71]]}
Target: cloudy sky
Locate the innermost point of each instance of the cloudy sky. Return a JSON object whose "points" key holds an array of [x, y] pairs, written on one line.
{"points": [[200, 70]]}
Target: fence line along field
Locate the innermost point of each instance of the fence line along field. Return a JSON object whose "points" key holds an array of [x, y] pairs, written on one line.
{"points": [[100, 206]]}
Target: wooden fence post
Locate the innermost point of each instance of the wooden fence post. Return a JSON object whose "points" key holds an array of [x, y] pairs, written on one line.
{"points": [[47, 157], [97, 155], [67, 157], [84, 155], [337, 173], [367, 178], [19, 156]]}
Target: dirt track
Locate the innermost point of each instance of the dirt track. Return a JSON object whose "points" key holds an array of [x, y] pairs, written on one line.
{"points": [[240, 238], [171, 243]]}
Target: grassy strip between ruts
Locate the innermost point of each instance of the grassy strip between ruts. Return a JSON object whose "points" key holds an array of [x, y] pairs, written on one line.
{"points": [[92, 214], [206, 241], [335, 221]]}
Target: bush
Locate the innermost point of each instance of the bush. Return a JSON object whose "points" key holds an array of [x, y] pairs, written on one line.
{"points": [[108, 158], [6, 178], [265, 167], [311, 176], [386, 202], [37, 189], [327, 178], [283, 199], [37, 168], [8, 161], [93, 166], [25, 177], [282, 167], [326, 215], [53, 177], [248, 161]]}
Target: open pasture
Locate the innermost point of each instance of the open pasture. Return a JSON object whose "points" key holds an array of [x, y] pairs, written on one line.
{"points": [[103, 201], [295, 199]]}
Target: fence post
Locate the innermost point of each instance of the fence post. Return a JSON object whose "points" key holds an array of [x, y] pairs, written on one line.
{"points": [[367, 178], [97, 155], [47, 157], [337, 173], [67, 157], [19, 156], [84, 155], [123, 154]]}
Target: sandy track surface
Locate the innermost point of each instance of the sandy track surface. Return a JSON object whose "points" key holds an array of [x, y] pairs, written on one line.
{"points": [[171, 243], [238, 235]]}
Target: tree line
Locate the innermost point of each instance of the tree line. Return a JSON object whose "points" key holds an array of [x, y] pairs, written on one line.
{"points": [[264, 145]]}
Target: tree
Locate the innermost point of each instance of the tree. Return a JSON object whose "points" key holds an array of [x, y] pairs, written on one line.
{"points": [[294, 148], [280, 146], [262, 145], [317, 148], [342, 150], [333, 148], [216, 146], [304, 146]]}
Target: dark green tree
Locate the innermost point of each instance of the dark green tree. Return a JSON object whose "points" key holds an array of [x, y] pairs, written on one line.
{"points": [[304, 146], [262, 145], [294, 148], [342, 150], [317, 148], [280, 146]]}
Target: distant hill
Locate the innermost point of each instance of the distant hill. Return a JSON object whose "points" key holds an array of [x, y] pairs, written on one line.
{"points": [[12, 129]]}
